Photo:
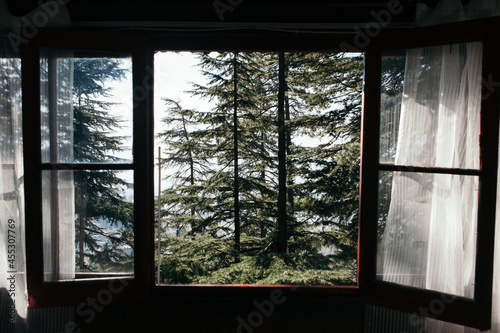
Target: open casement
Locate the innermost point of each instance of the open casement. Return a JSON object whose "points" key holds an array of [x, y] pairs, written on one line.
{"points": [[89, 213], [429, 172]]}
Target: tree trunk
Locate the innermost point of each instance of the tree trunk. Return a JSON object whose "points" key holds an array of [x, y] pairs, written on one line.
{"points": [[282, 224], [237, 236], [288, 153]]}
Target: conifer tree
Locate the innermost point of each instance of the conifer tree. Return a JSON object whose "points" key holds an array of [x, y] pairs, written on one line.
{"points": [[104, 218], [320, 97], [326, 104]]}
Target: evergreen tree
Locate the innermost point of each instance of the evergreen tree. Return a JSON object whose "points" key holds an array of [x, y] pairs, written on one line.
{"points": [[326, 105], [190, 236], [104, 219], [187, 153], [255, 140], [243, 138]]}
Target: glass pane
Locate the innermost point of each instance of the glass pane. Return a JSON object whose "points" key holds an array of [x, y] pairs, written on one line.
{"points": [[209, 237], [393, 71], [430, 106], [90, 101], [427, 231], [88, 224]]}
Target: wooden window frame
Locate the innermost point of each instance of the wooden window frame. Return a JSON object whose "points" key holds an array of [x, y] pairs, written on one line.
{"points": [[142, 47], [474, 312], [58, 293]]}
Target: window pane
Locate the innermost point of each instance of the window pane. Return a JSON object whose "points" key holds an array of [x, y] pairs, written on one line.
{"points": [[430, 106], [90, 98], [427, 231], [393, 67], [89, 212]]}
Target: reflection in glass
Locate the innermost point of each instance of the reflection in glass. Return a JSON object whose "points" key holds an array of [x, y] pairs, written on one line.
{"points": [[393, 71], [430, 106], [427, 230], [90, 103]]}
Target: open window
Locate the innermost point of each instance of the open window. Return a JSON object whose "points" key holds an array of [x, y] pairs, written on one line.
{"points": [[87, 165], [429, 173], [259, 167], [428, 179]]}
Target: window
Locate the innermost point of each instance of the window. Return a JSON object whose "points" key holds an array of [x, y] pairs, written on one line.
{"points": [[434, 141], [88, 166], [385, 168], [278, 205]]}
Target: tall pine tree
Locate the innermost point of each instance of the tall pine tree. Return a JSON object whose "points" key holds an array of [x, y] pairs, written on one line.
{"points": [[263, 103], [104, 218]]}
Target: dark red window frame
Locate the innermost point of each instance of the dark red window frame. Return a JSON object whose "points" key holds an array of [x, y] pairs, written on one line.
{"points": [[476, 313]]}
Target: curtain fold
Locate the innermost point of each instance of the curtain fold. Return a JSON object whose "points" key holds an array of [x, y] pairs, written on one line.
{"points": [[429, 238], [13, 294], [436, 211], [12, 264], [58, 192], [13, 289], [429, 235]]}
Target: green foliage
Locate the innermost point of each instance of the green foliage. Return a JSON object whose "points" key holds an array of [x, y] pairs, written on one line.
{"points": [[104, 218], [10, 98], [323, 103]]}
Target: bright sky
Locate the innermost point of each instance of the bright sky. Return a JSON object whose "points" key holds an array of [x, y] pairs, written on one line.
{"points": [[173, 74]]}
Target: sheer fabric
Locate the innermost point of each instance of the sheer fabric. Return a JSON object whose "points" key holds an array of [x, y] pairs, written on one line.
{"points": [[441, 268], [429, 236], [12, 206], [13, 295], [12, 264], [58, 191]]}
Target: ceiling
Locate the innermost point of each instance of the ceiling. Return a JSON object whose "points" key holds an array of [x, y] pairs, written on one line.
{"points": [[335, 14]]}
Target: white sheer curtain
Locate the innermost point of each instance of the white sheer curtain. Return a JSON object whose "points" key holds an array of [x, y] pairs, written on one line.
{"points": [[58, 192], [433, 215], [12, 265], [13, 295], [12, 206], [429, 213], [429, 236]]}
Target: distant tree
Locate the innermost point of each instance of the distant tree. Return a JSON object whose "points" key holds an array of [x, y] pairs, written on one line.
{"points": [[10, 96], [104, 218], [187, 155]]}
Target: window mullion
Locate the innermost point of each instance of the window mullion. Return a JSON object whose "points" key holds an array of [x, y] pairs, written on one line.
{"points": [[429, 169]]}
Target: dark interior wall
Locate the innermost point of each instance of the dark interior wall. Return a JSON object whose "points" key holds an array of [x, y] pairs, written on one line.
{"points": [[230, 315], [241, 11]]}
